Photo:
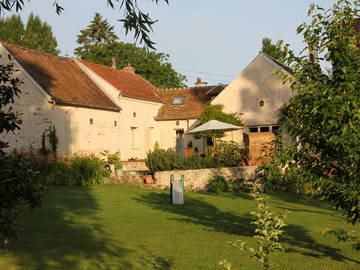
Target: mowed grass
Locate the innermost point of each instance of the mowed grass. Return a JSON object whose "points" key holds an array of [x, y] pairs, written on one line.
{"points": [[124, 227]]}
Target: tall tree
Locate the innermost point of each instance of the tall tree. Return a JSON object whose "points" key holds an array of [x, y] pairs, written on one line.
{"points": [[324, 116], [98, 33], [12, 29], [36, 35], [153, 66], [271, 49], [134, 18]]}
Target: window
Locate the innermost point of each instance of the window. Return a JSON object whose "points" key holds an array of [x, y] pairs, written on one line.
{"points": [[253, 129], [134, 137], [264, 129], [178, 100]]}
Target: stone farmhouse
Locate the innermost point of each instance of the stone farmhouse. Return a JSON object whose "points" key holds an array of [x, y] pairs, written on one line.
{"points": [[96, 108]]}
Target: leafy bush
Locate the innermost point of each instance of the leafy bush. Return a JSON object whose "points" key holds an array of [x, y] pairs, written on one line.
{"points": [[77, 170], [281, 172], [217, 184], [229, 154], [241, 185]]}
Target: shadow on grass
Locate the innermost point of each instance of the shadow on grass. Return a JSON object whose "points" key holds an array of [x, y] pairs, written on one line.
{"points": [[199, 212], [66, 234]]}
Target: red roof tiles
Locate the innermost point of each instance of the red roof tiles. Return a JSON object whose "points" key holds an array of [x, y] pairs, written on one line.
{"points": [[129, 84], [61, 78], [193, 106]]}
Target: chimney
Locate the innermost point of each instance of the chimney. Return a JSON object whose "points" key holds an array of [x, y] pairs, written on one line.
{"points": [[113, 62], [129, 68], [200, 83]]}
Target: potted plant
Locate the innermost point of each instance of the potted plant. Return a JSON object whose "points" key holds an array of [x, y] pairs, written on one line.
{"points": [[118, 168], [115, 163], [148, 179], [189, 150]]}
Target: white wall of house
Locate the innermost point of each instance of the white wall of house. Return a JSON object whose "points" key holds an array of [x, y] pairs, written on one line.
{"points": [[257, 82]]}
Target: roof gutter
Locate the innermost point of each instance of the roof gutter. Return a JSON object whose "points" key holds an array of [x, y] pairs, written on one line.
{"points": [[140, 98], [90, 106], [171, 119]]}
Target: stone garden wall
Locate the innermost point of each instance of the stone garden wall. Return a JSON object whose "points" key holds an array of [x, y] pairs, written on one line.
{"points": [[197, 179]]}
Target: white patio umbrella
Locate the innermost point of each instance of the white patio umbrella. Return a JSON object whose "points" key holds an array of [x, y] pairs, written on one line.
{"points": [[214, 126]]}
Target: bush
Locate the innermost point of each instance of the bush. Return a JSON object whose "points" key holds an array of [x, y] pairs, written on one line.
{"points": [[217, 184], [77, 170], [87, 170], [281, 172], [229, 154], [241, 185]]}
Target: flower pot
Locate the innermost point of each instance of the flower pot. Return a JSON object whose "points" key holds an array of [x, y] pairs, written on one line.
{"points": [[148, 179], [189, 151]]}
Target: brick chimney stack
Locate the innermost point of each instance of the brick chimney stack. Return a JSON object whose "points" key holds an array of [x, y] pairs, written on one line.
{"points": [[129, 68], [200, 83]]}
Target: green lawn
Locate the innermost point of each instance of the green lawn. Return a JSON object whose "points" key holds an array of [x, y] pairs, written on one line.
{"points": [[124, 227]]}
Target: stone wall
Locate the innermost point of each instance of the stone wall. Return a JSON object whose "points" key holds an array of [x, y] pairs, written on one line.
{"points": [[197, 179], [134, 166]]}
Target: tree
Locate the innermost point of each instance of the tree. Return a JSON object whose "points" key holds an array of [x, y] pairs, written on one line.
{"points": [[216, 112], [12, 29], [18, 182], [36, 35], [271, 49], [134, 18], [324, 117], [98, 33], [153, 66]]}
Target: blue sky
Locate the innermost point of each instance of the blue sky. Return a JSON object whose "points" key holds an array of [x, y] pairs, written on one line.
{"points": [[211, 39]]}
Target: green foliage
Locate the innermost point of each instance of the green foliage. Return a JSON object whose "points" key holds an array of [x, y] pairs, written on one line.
{"points": [[275, 51], [12, 29], [134, 18], [229, 154], [77, 170], [153, 66], [19, 185], [113, 159], [18, 181], [36, 35], [282, 173], [216, 112], [268, 230], [324, 116], [51, 136], [98, 33], [343, 235], [226, 154], [217, 184], [162, 160]]}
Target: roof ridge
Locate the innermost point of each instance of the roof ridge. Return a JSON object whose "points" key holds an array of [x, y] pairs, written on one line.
{"points": [[34, 51]]}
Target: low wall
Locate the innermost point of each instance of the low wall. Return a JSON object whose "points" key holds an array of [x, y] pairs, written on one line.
{"points": [[134, 166], [197, 179]]}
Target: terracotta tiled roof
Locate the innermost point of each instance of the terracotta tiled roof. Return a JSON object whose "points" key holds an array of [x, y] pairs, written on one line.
{"points": [[193, 106], [61, 78], [129, 84]]}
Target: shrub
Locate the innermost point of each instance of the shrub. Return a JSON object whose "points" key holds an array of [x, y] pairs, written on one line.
{"points": [[281, 172], [229, 154], [77, 170], [241, 185], [217, 184]]}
